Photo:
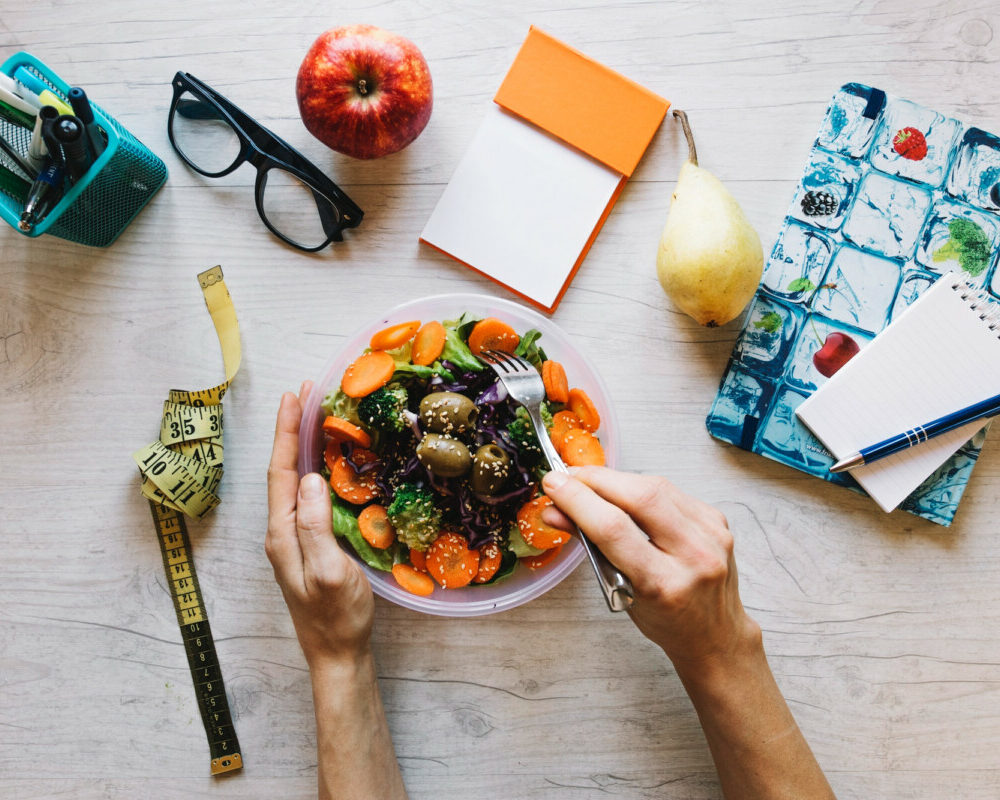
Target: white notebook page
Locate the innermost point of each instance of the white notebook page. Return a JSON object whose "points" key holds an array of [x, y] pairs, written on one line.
{"points": [[521, 206], [936, 358]]}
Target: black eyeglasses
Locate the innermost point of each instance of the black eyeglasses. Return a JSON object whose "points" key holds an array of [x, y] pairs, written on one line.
{"points": [[296, 201]]}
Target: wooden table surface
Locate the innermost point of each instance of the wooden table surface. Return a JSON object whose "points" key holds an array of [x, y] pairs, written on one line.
{"points": [[883, 630]]}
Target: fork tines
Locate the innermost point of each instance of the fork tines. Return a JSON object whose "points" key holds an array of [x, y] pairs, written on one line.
{"points": [[506, 361]]}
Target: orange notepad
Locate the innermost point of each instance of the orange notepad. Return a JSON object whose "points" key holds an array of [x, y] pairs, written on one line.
{"points": [[544, 170]]}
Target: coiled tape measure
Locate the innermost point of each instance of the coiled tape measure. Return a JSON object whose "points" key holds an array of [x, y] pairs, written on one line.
{"points": [[180, 475]]}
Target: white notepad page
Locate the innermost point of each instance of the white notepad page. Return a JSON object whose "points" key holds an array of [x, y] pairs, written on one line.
{"points": [[521, 206], [936, 358]]}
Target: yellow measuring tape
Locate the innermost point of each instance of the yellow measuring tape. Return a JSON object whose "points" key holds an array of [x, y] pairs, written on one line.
{"points": [[180, 475]]}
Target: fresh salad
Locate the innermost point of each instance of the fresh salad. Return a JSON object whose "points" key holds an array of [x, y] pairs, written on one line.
{"points": [[435, 472]]}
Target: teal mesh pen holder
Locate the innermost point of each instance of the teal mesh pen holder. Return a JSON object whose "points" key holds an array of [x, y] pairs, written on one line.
{"points": [[101, 204]]}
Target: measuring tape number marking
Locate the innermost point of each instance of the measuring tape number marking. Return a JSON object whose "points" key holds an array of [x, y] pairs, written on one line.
{"points": [[180, 476], [203, 661]]}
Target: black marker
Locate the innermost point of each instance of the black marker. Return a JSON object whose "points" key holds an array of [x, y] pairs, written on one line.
{"points": [[52, 144], [82, 109], [69, 131]]}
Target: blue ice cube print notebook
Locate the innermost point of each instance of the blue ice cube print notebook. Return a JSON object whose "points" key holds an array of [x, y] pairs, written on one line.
{"points": [[893, 196]]}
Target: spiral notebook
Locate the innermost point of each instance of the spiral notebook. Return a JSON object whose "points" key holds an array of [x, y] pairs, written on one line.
{"points": [[893, 195], [940, 355]]}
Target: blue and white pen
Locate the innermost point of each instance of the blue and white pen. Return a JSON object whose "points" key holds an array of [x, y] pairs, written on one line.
{"points": [[43, 195], [981, 410]]}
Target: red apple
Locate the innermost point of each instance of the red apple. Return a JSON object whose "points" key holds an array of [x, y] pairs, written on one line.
{"points": [[837, 350], [363, 91]]}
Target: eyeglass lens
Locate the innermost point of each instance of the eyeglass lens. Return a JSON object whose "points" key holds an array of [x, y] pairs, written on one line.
{"points": [[295, 210], [204, 137]]}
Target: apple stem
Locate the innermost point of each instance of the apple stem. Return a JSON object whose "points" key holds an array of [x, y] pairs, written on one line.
{"points": [[362, 87], [692, 152]]}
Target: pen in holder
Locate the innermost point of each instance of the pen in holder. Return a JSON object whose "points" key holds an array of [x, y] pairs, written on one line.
{"points": [[105, 195]]}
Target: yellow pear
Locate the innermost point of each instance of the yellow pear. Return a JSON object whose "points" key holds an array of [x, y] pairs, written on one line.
{"points": [[710, 259]]}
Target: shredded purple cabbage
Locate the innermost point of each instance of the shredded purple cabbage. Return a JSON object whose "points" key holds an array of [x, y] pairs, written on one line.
{"points": [[496, 393], [398, 464], [469, 383], [481, 522], [414, 421]]}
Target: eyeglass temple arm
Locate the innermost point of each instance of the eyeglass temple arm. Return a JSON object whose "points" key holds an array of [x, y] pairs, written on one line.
{"points": [[294, 158], [330, 224]]}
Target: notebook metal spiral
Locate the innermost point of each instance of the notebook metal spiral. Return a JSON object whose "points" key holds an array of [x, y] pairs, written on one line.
{"points": [[980, 297]]}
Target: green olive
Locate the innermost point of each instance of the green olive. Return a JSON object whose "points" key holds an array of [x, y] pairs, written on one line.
{"points": [[490, 469], [444, 456], [448, 412]]}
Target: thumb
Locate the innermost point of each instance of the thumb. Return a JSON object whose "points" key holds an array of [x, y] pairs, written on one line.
{"points": [[605, 524], [314, 525]]}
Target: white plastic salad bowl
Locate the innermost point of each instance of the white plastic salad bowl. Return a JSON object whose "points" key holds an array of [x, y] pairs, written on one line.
{"points": [[524, 584]]}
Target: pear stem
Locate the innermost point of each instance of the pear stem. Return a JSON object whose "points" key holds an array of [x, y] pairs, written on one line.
{"points": [[692, 151]]}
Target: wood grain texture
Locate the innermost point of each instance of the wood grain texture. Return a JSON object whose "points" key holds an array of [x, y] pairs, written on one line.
{"points": [[883, 630]]}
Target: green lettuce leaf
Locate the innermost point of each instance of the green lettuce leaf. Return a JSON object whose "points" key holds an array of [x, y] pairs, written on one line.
{"points": [[507, 567], [345, 524], [529, 350], [518, 546], [458, 353], [463, 325], [338, 404]]}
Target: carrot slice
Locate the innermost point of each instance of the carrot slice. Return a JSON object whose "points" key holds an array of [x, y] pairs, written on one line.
{"points": [[367, 373], [581, 405], [563, 423], [332, 453], [394, 336], [489, 562], [541, 560], [554, 378], [375, 527], [341, 430], [413, 581], [348, 483], [429, 344], [535, 531], [581, 449], [451, 562], [493, 334], [419, 559]]}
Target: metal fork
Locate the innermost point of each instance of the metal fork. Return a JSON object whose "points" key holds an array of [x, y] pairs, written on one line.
{"points": [[524, 384]]}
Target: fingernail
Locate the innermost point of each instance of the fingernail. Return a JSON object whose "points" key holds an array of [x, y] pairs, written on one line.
{"points": [[550, 516], [312, 486], [553, 480]]}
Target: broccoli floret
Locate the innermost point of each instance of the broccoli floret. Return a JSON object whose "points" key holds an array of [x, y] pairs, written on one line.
{"points": [[522, 433], [414, 516], [967, 244], [383, 409]]}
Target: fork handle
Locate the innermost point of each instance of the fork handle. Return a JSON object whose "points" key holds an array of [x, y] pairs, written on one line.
{"points": [[617, 588]]}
